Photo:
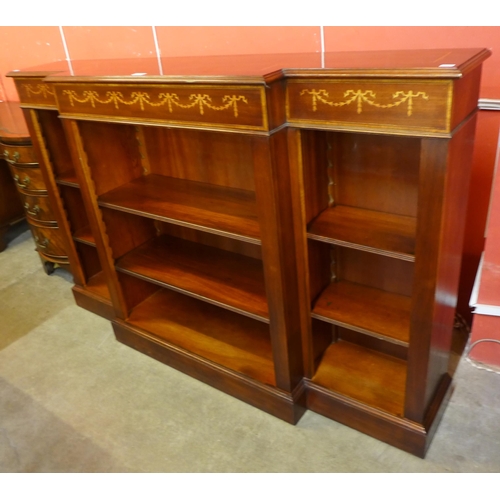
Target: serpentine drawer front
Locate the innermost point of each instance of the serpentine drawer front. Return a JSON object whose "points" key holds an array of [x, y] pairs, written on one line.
{"points": [[27, 179], [38, 207], [20, 154], [49, 240]]}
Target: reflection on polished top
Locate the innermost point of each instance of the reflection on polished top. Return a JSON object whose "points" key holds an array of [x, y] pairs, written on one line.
{"points": [[12, 124], [406, 91], [449, 63]]}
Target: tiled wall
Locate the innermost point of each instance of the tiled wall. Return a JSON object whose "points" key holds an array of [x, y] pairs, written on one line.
{"points": [[25, 46]]}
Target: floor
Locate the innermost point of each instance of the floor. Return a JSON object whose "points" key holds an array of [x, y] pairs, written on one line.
{"points": [[73, 399]]}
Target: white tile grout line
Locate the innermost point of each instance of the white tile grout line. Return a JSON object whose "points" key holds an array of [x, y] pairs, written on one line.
{"points": [[158, 54], [322, 35], [66, 49], [3, 93]]}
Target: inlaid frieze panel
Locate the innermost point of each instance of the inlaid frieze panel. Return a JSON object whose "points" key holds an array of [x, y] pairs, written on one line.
{"points": [[403, 105], [233, 107]]}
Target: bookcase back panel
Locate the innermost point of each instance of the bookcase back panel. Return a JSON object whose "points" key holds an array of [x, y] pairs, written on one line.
{"points": [[127, 231], [119, 162], [335, 263], [209, 239], [135, 290], [316, 172], [73, 204], [55, 141], [376, 271], [209, 157], [376, 172], [89, 260]]}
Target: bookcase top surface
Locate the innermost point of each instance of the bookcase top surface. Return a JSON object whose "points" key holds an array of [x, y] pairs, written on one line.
{"points": [[428, 63]]}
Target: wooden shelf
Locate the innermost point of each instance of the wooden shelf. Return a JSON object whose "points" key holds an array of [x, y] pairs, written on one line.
{"points": [[223, 337], [97, 285], [367, 376], [367, 310], [207, 207], [69, 179], [84, 235], [223, 278], [378, 232]]}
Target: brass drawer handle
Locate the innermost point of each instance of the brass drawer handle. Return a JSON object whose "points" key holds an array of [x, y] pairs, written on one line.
{"points": [[22, 184], [44, 244], [15, 157], [32, 211]]}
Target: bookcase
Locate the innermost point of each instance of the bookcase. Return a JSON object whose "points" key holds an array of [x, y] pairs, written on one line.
{"points": [[286, 228]]}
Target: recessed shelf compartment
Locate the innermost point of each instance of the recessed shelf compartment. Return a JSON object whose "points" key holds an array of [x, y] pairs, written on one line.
{"points": [[365, 375], [95, 282], [84, 235], [231, 340], [207, 207], [227, 279], [77, 217], [365, 292], [378, 232], [97, 285], [361, 191], [368, 310]]}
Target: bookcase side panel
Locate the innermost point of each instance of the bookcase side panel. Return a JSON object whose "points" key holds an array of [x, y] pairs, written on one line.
{"points": [[44, 155], [97, 225], [448, 272]]}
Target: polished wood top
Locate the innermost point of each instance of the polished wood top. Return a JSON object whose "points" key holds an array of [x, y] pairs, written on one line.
{"points": [[13, 127], [430, 63]]}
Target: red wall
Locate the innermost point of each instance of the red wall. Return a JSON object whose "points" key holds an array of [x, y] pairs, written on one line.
{"points": [[22, 47], [25, 46]]}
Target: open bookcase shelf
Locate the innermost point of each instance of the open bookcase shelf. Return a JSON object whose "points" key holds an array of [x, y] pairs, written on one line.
{"points": [[378, 232], [367, 310], [68, 179], [207, 207], [364, 375], [223, 337], [228, 279], [84, 235]]}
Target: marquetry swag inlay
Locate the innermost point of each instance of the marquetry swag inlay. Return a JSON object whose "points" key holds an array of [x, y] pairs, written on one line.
{"points": [[360, 97], [168, 99], [40, 88]]}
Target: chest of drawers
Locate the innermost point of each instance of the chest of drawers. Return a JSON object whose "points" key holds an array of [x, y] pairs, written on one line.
{"points": [[28, 194]]}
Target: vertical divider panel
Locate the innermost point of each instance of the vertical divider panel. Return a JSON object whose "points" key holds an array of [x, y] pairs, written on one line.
{"points": [[430, 202], [302, 269], [96, 222], [272, 179]]}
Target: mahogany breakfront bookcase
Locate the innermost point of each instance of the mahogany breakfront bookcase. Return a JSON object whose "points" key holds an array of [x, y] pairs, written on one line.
{"points": [[286, 228]]}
